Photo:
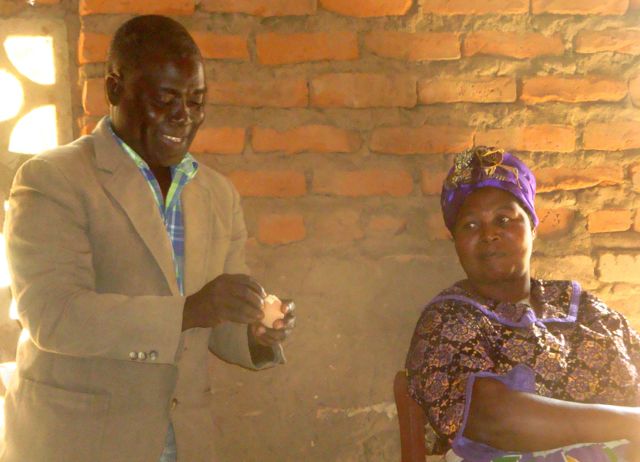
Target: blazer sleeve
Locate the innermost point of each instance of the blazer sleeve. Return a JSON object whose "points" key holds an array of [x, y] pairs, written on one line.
{"points": [[49, 251], [229, 341]]}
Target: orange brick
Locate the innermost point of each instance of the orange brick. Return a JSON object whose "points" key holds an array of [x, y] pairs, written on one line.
{"points": [[375, 182], [45, 2], [340, 226], [451, 7], [609, 221], [436, 229], [544, 137], [259, 93], [572, 89], [285, 183], [93, 48], [414, 46], [94, 100], [221, 46], [432, 182], [617, 136], [579, 7], [512, 44], [571, 267], [274, 48], [635, 178], [264, 8], [554, 221], [480, 90], [634, 5], [308, 138], [636, 223], [219, 140], [619, 268], [619, 40], [274, 229], [367, 8], [363, 90], [167, 7], [428, 139], [634, 91], [386, 226], [566, 178]]}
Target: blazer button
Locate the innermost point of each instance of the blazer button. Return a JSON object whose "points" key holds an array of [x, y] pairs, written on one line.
{"points": [[174, 403], [133, 356], [142, 355], [153, 355]]}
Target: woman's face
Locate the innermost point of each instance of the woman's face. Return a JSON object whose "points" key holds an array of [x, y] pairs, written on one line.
{"points": [[493, 237]]}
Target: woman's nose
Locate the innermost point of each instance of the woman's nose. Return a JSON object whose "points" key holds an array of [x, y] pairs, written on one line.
{"points": [[489, 233]]}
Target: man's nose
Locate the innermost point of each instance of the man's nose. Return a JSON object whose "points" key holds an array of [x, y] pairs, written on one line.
{"points": [[180, 111]]}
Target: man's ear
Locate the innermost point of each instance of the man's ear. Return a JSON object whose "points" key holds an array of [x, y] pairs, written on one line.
{"points": [[113, 87]]}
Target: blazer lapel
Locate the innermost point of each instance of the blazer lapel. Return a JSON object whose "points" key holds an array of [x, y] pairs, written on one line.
{"points": [[123, 181], [197, 213]]}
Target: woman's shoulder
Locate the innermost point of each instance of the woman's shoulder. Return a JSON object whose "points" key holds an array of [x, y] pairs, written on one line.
{"points": [[452, 304]]}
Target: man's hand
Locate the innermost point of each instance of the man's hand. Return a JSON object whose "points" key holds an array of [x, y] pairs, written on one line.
{"points": [[281, 327], [262, 339], [229, 297]]}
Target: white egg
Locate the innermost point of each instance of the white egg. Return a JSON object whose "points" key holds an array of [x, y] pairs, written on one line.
{"points": [[272, 309]]}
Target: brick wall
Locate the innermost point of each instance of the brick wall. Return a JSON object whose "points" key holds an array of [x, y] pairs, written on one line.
{"points": [[337, 120]]}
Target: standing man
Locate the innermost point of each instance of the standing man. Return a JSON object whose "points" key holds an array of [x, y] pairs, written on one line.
{"points": [[128, 266]]}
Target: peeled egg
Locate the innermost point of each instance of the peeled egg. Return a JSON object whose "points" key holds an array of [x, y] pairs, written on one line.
{"points": [[272, 309]]}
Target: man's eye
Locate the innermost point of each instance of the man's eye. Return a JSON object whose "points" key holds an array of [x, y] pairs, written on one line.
{"points": [[469, 225], [196, 101], [164, 98]]}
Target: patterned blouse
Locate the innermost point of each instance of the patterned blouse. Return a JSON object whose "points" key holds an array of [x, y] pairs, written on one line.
{"points": [[577, 350]]}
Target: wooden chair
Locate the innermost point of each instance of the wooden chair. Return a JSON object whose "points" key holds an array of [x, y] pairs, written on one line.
{"points": [[412, 421]]}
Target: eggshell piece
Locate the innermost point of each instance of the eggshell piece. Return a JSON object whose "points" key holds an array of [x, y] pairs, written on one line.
{"points": [[272, 309]]}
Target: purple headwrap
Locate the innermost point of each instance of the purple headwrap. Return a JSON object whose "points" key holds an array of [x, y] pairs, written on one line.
{"points": [[483, 167]]}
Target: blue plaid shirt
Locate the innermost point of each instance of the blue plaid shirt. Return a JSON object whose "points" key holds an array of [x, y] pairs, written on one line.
{"points": [[171, 208]]}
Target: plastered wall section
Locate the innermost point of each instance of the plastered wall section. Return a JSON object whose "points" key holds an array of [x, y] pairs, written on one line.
{"points": [[337, 121]]}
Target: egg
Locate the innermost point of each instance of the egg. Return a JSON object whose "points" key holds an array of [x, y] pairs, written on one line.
{"points": [[272, 309]]}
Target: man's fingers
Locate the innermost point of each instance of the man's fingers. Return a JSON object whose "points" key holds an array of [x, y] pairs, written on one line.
{"points": [[288, 306], [248, 282]]}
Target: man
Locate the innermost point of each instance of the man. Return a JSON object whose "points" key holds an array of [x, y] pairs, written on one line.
{"points": [[128, 266]]}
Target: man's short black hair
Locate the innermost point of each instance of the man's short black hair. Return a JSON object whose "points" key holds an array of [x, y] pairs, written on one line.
{"points": [[146, 35]]}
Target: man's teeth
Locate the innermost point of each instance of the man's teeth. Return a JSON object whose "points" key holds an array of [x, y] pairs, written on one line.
{"points": [[173, 138]]}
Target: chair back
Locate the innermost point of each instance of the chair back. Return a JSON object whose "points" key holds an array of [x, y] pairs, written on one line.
{"points": [[412, 421]]}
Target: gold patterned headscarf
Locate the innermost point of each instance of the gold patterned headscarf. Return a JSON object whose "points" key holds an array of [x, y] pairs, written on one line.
{"points": [[482, 167]]}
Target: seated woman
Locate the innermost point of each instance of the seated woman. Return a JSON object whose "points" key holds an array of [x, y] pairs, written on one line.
{"points": [[504, 364]]}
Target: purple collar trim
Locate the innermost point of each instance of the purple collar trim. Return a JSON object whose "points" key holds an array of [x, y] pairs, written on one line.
{"points": [[529, 318]]}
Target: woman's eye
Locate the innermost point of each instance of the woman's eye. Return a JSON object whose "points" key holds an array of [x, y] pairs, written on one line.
{"points": [[504, 220]]}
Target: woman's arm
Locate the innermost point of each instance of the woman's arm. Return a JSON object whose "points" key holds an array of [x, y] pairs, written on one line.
{"points": [[517, 421]]}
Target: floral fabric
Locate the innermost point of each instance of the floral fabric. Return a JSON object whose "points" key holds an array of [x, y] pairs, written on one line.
{"points": [[576, 348]]}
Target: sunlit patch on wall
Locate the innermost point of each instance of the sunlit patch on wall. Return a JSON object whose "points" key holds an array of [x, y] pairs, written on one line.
{"points": [[35, 90], [35, 109], [11, 95], [42, 121], [32, 56]]}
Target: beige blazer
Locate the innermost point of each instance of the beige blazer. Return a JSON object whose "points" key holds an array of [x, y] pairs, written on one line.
{"points": [[105, 366]]}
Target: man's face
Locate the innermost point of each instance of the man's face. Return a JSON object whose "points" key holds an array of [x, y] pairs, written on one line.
{"points": [[160, 107], [493, 237]]}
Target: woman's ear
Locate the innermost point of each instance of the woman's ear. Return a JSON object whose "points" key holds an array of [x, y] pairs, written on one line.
{"points": [[534, 233], [113, 88]]}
